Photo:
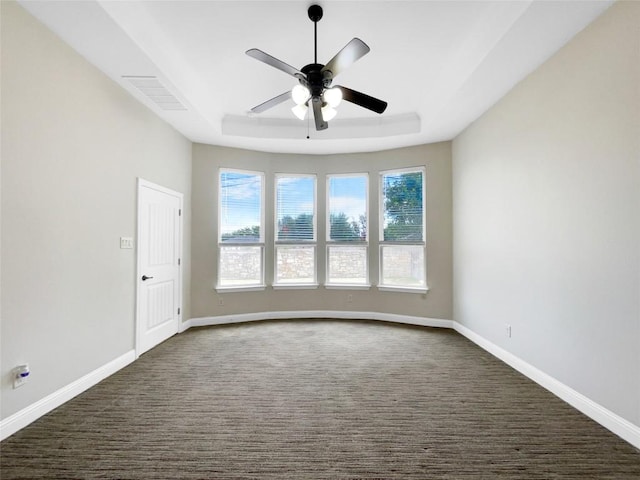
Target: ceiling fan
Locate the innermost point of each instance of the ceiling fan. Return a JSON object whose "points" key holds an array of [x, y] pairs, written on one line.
{"points": [[314, 80]]}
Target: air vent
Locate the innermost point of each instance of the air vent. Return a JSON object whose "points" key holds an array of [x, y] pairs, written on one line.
{"points": [[156, 92]]}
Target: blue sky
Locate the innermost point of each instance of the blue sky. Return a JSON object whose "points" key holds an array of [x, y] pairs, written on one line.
{"points": [[348, 195], [240, 194], [295, 196]]}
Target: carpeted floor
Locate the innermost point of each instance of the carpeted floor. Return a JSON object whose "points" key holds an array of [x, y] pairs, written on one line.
{"points": [[321, 399]]}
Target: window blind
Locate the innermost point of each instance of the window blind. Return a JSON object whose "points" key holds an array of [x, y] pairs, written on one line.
{"points": [[240, 206], [402, 203], [347, 199], [295, 208]]}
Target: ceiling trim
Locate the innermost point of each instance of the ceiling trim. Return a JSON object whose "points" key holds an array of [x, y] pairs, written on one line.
{"points": [[293, 129]]}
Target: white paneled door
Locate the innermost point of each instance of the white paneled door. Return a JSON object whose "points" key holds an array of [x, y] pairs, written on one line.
{"points": [[159, 289]]}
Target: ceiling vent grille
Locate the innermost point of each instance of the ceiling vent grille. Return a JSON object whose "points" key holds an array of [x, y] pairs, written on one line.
{"points": [[151, 88]]}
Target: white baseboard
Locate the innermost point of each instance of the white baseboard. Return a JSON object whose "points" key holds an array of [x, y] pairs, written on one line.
{"points": [[616, 424], [24, 417], [342, 315], [185, 325]]}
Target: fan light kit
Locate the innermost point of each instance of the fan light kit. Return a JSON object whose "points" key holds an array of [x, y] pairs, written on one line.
{"points": [[314, 80]]}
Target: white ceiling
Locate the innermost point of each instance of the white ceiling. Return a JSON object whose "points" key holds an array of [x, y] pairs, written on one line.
{"points": [[439, 64]]}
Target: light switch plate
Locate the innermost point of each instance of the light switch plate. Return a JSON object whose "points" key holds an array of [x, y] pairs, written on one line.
{"points": [[126, 242]]}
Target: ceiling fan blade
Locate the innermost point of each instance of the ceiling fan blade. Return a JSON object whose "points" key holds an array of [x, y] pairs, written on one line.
{"points": [[283, 97], [362, 99], [317, 113], [346, 57], [274, 62]]}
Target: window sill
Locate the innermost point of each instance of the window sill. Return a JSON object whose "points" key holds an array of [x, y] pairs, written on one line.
{"points": [[249, 288], [347, 286], [296, 286], [388, 288]]}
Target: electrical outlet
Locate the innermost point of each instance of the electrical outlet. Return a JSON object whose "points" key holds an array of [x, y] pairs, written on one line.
{"points": [[508, 330], [20, 375], [350, 298], [19, 381], [220, 301]]}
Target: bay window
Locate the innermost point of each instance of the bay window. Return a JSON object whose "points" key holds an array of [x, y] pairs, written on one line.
{"points": [[402, 229], [240, 229], [295, 230], [347, 233]]}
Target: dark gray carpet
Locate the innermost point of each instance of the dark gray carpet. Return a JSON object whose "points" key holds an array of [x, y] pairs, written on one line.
{"points": [[318, 399]]}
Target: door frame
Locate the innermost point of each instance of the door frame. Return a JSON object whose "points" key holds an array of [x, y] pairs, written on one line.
{"points": [[142, 183]]}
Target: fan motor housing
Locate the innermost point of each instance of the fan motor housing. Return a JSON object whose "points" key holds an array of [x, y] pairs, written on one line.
{"points": [[317, 81]]}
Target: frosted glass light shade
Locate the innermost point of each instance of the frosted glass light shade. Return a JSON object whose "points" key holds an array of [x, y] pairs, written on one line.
{"points": [[333, 97], [300, 94], [328, 113], [300, 111]]}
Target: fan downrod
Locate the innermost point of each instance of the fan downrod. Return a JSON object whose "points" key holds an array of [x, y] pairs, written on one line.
{"points": [[315, 13]]}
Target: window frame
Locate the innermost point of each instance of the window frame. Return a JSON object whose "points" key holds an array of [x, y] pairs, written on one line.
{"points": [[388, 243], [260, 243], [331, 243], [289, 243]]}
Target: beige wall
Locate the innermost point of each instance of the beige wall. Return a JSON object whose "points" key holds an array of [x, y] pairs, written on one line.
{"points": [[547, 216], [73, 143], [437, 303]]}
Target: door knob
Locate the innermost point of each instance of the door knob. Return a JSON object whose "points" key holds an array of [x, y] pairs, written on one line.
{"points": [[144, 277]]}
